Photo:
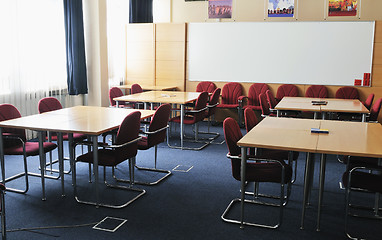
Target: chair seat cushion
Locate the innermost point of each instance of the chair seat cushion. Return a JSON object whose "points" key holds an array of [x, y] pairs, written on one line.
{"points": [[262, 171], [65, 137], [143, 144], [228, 105], [106, 157], [31, 149], [273, 154], [364, 180]]}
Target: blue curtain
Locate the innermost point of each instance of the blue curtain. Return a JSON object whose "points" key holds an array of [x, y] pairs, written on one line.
{"points": [[141, 11], [75, 47]]}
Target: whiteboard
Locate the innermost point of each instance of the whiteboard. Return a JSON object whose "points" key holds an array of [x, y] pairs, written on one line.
{"points": [[325, 53]]}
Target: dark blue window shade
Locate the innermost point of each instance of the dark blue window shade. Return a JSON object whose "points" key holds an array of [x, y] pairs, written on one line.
{"points": [[141, 11], [75, 48]]}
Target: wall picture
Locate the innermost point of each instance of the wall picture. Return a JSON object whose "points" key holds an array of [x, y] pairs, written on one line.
{"points": [[280, 8], [219, 8], [343, 7]]}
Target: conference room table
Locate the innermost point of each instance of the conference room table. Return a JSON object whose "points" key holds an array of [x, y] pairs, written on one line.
{"points": [[332, 105], [149, 87], [292, 134], [172, 97], [90, 120]]}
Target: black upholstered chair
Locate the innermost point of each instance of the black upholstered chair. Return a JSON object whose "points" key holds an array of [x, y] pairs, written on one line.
{"points": [[15, 143], [257, 170], [124, 148]]}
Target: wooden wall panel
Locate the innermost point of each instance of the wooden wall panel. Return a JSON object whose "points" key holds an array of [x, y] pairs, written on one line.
{"points": [[377, 57]]}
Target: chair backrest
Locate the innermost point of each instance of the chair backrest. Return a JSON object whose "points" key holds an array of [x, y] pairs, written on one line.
{"points": [[287, 90], [232, 135], [214, 100], [201, 103], [206, 87], [231, 93], [8, 112], [136, 88], [158, 121], [254, 92], [250, 119], [317, 91], [113, 93], [347, 93], [271, 99], [264, 104], [128, 131], [375, 109], [369, 100], [48, 104]]}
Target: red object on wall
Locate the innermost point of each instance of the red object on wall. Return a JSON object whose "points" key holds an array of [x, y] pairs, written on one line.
{"points": [[357, 82]]}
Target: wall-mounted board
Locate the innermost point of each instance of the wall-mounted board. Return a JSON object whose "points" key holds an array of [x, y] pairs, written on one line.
{"points": [[327, 53]]}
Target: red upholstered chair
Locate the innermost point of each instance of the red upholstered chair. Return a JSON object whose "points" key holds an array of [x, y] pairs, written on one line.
{"points": [[113, 93], [155, 134], [251, 121], [50, 104], [265, 112], [362, 175], [2, 212], [193, 117], [286, 90], [316, 91], [124, 148], [252, 101], [347, 93], [15, 143], [268, 170], [230, 95], [369, 101], [136, 88], [206, 87], [271, 100], [374, 111]]}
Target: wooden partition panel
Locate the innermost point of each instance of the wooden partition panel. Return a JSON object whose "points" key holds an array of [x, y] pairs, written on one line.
{"points": [[170, 42], [140, 54]]}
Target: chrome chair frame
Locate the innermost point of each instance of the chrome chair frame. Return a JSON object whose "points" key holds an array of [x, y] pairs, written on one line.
{"points": [[129, 188]]}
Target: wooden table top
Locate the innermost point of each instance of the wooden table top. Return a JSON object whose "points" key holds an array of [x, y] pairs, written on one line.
{"points": [[150, 87], [351, 138], [333, 105], [283, 133], [80, 119], [160, 97], [345, 138]]}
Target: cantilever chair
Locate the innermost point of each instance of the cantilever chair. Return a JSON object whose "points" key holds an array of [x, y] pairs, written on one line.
{"points": [[347, 93], [2, 212], [271, 100], [251, 121], [253, 97], [286, 90], [374, 111], [206, 87], [50, 104], [265, 112], [193, 117], [124, 148], [116, 92], [15, 143], [258, 170], [211, 109], [316, 91], [156, 134], [230, 95], [362, 175], [369, 101]]}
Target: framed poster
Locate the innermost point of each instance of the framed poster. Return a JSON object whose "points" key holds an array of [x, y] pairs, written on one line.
{"points": [[219, 8], [342, 8], [280, 8]]}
